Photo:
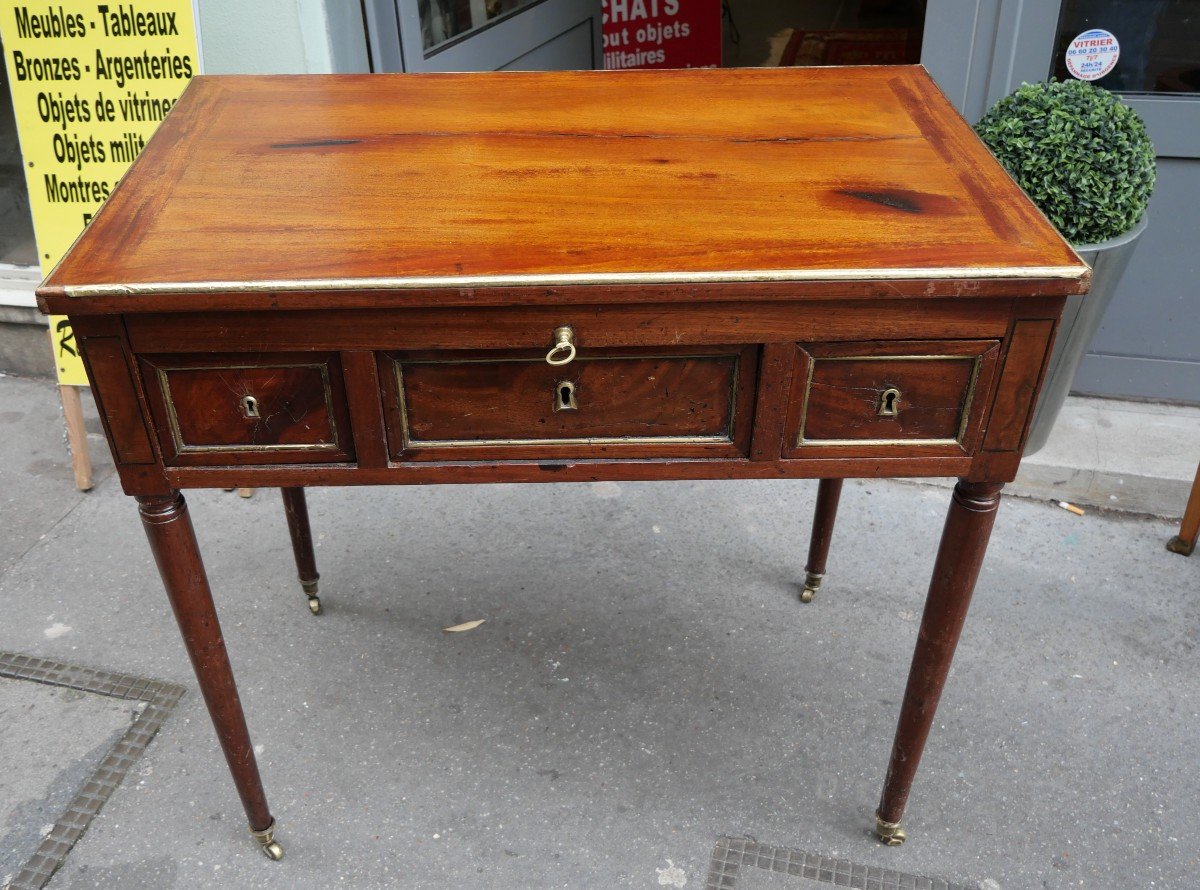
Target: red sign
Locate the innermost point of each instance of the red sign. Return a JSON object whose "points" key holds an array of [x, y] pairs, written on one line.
{"points": [[662, 33]]}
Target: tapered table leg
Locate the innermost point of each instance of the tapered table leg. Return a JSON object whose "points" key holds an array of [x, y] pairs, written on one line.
{"points": [[1189, 528], [964, 541], [173, 543], [829, 492], [296, 508]]}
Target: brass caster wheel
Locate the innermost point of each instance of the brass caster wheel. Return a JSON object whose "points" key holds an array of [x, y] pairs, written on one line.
{"points": [[890, 832], [812, 583], [266, 839], [310, 590], [807, 594]]}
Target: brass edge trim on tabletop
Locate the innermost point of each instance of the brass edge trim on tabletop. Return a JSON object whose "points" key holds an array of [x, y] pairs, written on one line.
{"points": [[566, 279]]}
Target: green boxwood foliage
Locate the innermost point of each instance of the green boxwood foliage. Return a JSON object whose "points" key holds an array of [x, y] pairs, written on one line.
{"points": [[1079, 153]]}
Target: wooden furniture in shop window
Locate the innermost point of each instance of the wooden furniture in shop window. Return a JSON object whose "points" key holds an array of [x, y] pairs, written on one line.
{"points": [[556, 277]]}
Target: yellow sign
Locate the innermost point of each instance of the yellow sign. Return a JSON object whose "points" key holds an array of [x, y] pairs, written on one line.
{"points": [[90, 83]]}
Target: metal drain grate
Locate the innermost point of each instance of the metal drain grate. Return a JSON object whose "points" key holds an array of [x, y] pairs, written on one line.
{"points": [[733, 857], [160, 699]]}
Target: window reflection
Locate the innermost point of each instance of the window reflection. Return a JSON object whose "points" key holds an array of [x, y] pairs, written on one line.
{"points": [[443, 20], [823, 32], [1159, 42], [17, 246]]}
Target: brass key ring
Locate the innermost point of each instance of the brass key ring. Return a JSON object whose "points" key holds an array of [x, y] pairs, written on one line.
{"points": [[564, 342]]}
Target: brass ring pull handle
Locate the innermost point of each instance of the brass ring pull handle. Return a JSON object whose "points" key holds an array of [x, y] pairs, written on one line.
{"points": [[564, 344]]}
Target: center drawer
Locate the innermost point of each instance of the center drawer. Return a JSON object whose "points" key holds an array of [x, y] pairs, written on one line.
{"points": [[505, 405]]}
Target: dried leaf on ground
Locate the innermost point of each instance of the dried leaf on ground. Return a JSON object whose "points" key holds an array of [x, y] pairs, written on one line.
{"points": [[465, 626]]}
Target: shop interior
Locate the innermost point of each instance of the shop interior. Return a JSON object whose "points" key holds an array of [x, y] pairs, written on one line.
{"points": [[769, 33], [17, 247]]}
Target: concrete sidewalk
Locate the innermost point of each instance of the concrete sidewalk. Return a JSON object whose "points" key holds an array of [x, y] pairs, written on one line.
{"points": [[1133, 456], [645, 684]]}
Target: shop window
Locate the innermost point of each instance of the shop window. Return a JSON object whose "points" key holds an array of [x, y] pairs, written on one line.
{"points": [[1158, 40], [823, 32], [445, 20], [17, 247]]}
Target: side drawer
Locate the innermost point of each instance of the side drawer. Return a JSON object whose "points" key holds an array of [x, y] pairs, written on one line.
{"points": [[656, 402], [249, 409], [889, 398]]}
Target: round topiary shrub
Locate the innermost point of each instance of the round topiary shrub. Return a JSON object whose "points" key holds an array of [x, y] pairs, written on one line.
{"points": [[1080, 154]]}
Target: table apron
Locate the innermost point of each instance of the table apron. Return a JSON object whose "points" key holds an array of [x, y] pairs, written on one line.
{"points": [[594, 326], [993, 353]]}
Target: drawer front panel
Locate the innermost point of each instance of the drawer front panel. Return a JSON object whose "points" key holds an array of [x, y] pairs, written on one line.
{"points": [[215, 410], [865, 398], [652, 402]]}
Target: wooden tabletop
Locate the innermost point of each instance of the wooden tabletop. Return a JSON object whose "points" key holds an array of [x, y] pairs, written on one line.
{"points": [[318, 184]]}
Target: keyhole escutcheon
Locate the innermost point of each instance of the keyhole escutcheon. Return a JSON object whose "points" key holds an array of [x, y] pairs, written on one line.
{"points": [[250, 406], [564, 396], [889, 401]]}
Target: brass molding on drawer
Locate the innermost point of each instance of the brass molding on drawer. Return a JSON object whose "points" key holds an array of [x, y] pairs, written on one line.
{"points": [[894, 395], [182, 447], [215, 410], [850, 398], [636, 402]]}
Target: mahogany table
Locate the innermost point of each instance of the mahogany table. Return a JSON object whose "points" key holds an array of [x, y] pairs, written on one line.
{"points": [[365, 280]]}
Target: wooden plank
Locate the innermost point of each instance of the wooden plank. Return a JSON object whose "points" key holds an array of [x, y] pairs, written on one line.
{"points": [[81, 459]]}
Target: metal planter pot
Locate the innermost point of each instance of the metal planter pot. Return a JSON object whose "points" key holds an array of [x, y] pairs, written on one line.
{"points": [[1080, 320]]}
